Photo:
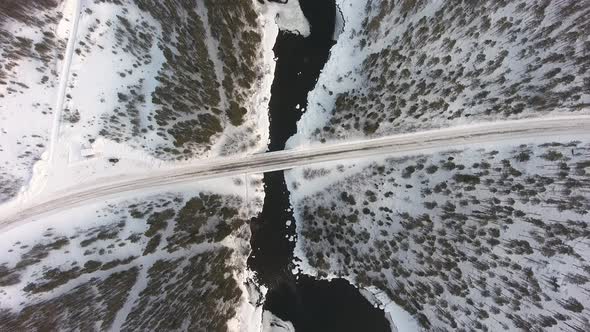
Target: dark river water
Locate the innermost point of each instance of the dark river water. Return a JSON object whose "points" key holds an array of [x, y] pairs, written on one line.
{"points": [[310, 304]]}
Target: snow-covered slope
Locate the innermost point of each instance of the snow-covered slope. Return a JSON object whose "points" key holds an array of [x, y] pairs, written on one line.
{"points": [[405, 65], [489, 237], [174, 260]]}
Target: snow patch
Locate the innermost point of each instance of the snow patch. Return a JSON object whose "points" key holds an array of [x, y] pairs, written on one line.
{"points": [[272, 323], [399, 319], [289, 17]]}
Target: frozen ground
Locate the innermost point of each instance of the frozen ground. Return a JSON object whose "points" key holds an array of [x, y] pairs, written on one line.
{"points": [[405, 66], [486, 236]]}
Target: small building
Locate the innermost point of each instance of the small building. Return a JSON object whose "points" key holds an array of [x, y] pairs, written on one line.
{"points": [[87, 152]]}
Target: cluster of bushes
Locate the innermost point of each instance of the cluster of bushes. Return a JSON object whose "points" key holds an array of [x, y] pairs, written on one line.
{"points": [[201, 286], [197, 293], [41, 15], [206, 218], [26, 11], [208, 77], [435, 63], [90, 306], [234, 24], [9, 185], [460, 242]]}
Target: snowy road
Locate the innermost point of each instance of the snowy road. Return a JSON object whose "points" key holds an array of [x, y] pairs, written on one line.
{"points": [[543, 129]]}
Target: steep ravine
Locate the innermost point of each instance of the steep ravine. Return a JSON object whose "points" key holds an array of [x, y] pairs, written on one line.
{"points": [[310, 304]]}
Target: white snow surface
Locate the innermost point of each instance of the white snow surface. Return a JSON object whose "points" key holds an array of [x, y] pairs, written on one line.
{"points": [[399, 319], [289, 17]]}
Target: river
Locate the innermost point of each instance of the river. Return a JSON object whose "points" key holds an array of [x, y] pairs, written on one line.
{"points": [[310, 304]]}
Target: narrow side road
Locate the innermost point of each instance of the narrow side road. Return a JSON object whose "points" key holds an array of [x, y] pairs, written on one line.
{"points": [[63, 78], [403, 144]]}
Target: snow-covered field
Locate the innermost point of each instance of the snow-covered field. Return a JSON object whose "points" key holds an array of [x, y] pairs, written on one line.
{"points": [[405, 66], [491, 237]]}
